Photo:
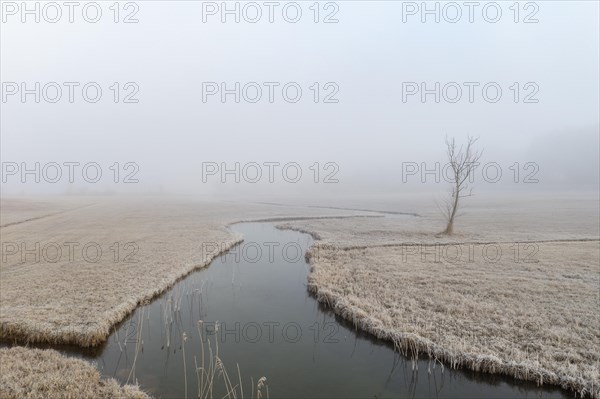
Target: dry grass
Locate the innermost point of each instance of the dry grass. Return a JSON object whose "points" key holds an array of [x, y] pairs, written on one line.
{"points": [[485, 218], [211, 371], [15, 212], [533, 321], [77, 302], [36, 373]]}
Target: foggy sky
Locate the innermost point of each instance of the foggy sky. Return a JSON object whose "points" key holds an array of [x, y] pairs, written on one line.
{"points": [[368, 134]]}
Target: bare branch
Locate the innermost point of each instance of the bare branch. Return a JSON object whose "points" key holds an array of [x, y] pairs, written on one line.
{"points": [[462, 162]]}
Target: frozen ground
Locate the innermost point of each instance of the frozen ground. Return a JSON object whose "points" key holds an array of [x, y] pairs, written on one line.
{"points": [[96, 261], [515, 291], [521, 299]]}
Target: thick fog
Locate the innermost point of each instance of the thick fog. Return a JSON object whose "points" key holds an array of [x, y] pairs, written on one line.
{"points": [[382, 84]]}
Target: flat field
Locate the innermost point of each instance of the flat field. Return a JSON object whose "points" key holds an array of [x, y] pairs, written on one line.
{"points": [[67, 277], [515, 291]]}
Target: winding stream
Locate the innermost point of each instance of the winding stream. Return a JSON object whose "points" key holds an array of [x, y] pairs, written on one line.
{"points": [[270, 326]]}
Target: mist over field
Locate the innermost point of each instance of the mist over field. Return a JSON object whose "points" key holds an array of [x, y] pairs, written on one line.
{"points": [[299, 199], [370, 129]]}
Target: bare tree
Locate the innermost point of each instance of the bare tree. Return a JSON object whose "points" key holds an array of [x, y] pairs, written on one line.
{"points": [[462, 162]]}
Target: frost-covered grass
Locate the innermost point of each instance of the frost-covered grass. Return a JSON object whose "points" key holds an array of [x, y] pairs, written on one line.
{"points": [[532, 314], [46, 374], [536, 322], [74, 301]]}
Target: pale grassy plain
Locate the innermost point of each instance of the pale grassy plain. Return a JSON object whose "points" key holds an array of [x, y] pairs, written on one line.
{"points": [[46, 374], [77, 301], [536, 321], [532, 314]]}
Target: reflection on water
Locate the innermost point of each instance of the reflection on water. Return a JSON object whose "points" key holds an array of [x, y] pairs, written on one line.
{"points": [[255, 311]]}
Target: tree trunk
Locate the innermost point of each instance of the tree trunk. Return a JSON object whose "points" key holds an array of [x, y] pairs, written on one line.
{"points": [[449, 228]]}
